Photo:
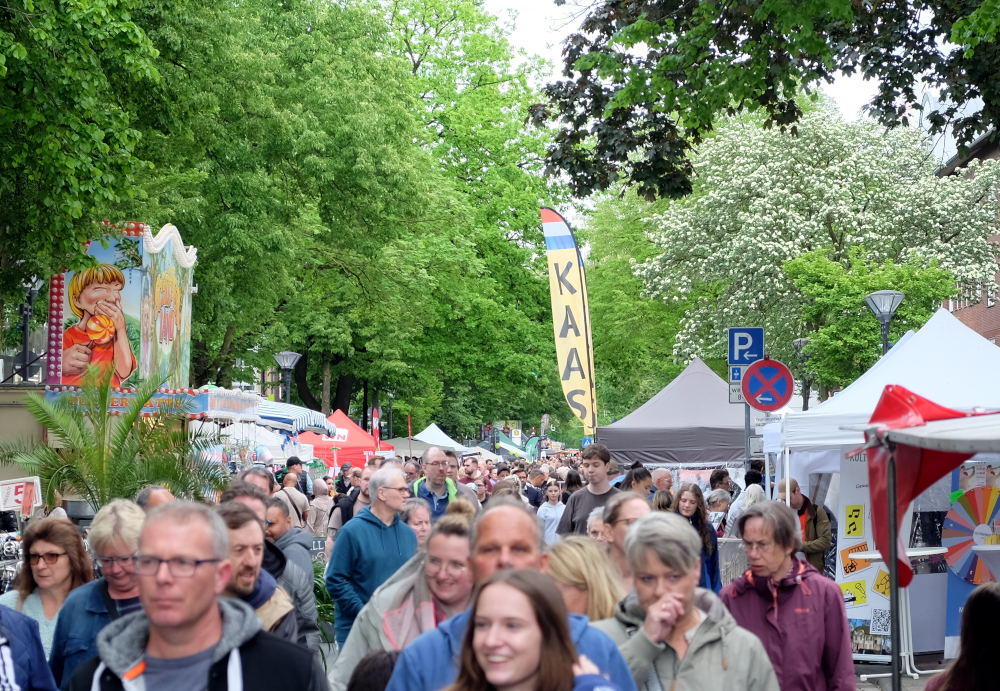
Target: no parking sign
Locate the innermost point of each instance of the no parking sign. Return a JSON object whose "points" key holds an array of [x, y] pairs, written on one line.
{"points": [[768, 385]]}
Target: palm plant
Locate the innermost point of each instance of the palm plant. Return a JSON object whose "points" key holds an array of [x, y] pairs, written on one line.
{"points": [[103, 456]]}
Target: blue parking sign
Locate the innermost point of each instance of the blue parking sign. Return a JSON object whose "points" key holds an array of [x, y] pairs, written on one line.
{"points": [[746, 345]]}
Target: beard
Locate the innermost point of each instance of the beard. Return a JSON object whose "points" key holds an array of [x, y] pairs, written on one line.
{"points": [[237, 585]]}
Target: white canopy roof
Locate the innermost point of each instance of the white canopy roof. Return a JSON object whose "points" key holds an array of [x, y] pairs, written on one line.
{"points": [[961, 435], [435, 436], [945, 361]]}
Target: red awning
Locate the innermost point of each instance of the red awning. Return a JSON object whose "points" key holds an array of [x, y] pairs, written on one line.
{"points": [[352, 443]]}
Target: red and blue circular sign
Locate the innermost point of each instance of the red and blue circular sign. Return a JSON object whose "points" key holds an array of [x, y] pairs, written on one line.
{"points": [[768, 385]]}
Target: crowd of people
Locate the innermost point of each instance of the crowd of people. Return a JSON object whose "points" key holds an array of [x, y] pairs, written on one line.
{"points": [[445, 573]]}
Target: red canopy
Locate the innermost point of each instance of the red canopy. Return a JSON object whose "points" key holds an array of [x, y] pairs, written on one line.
{"points": [[352, 443]]}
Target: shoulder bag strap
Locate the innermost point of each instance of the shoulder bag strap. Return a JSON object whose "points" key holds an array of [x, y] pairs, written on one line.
{"points": [[291, 501]]}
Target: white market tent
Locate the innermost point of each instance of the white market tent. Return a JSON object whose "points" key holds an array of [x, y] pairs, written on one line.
{"points": [[435, 436], [945, 361]]}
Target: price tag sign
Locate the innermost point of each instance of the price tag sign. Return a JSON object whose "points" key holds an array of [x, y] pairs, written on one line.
{"points": [[852, 566]]}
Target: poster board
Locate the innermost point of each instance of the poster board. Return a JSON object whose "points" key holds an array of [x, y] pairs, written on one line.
{"points": [[864, 583], [12, 494], [130, 312]]}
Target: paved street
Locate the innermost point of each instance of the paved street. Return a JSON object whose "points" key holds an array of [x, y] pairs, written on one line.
{"points": [[924, 662]]}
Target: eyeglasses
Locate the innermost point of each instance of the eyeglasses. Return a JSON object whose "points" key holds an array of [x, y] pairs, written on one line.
{"points": [[439, 464], [108, 562], [452, 568], [404, 488], [49, 557], [180, 567], [760, 547]]}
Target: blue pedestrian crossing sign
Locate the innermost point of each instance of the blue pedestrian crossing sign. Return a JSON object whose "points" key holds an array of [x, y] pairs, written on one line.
{"points": [[746, 345]]}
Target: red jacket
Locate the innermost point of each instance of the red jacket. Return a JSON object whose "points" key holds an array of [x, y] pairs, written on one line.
{"points": [[802, 624]]}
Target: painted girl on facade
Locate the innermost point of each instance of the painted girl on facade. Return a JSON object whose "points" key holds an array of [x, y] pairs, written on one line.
{"points": [[100, 337]]}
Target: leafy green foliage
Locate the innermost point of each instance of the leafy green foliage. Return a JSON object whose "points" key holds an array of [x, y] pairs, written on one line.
{"points": [[101, 457], [844, 337], [647, 79], [67, 146]]}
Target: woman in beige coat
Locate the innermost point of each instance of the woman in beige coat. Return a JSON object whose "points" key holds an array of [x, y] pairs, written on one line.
{"points": [[674, 635]]}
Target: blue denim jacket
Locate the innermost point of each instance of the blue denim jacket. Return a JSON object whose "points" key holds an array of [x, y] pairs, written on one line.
{"points": [[81, 618], [26, 652]]}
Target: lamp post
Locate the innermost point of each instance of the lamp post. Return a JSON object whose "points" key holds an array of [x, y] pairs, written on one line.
{"points": [[883, 305], [800, 344], [286, 359], [27, 310]]}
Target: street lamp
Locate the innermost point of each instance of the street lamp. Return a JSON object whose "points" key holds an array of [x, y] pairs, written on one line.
{"points": [[286, 359], [27, 310], [883, 305], [800, 345]]}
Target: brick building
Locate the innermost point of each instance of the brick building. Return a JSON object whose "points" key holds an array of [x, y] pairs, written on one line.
{"points": [[977, 307]]}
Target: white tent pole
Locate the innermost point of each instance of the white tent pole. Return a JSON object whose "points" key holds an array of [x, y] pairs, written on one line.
{"points": [[788, 473]]}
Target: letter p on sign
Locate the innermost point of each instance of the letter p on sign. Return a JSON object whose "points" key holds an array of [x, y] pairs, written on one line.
{"points": [[746, 345]]}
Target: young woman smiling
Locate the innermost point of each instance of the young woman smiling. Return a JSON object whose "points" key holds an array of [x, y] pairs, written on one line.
{"points": [[519, 639]]}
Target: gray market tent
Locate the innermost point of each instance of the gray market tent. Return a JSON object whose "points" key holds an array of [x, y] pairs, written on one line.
{"points": [[690, 422]]}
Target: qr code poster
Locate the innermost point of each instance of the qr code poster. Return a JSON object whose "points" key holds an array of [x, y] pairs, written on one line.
{"points": [[881, 583], [855, 593], [854, 520], [881, 622], [853, 566]]}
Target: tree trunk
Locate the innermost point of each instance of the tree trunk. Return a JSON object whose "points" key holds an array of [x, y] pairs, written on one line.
{"points": [[364, 406], [806, 386], [824, 393], [302, 382], [345, 392], [326, 387]]}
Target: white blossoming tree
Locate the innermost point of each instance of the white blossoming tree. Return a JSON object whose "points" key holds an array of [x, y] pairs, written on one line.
{"points": [[763, 198]]}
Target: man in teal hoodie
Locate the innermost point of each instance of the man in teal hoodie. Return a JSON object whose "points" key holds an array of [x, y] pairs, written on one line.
{"points": [[369, 549], [505, 535]]}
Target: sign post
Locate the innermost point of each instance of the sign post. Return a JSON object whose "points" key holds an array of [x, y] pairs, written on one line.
{"points": [[746, 346]]}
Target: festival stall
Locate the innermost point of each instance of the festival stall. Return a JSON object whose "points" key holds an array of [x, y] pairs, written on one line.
{"points": [[435, 436], [950, 364], [350, 443], [689, 426], [294, 419]]}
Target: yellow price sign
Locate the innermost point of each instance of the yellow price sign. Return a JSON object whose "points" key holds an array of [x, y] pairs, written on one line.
{"points": [[855, 593], [854, 520]]}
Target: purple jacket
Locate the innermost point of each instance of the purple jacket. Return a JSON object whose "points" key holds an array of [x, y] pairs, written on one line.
{"points": [[802, 624]]}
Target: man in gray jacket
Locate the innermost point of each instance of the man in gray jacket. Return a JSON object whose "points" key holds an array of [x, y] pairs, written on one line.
{"points": [[295, 543], [185, 637]]}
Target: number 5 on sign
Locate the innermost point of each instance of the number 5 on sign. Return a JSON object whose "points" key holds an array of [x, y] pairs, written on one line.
{"points": [[854, 520]]}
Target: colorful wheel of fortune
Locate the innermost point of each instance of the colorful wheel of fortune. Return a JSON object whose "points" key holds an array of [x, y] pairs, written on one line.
{"points": [[970, 522]]}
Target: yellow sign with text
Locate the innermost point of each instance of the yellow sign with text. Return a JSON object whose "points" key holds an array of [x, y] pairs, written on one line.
{"points": [[571, 319]]}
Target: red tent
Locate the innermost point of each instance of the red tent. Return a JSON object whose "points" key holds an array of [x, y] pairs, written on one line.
{"points": [[352, 443]]}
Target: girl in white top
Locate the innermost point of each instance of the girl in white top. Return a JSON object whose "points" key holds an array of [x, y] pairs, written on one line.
{"points": [[551, 512]]}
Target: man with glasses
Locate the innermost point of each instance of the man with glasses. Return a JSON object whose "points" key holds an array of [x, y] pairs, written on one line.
{"points": [[114, 540], [436, 487], [248, 581], [369, 549], [796, 612], [186, 637]]}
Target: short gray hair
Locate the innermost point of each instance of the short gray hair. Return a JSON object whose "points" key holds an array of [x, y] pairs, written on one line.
{"points": [[660, 472], [782, 519], [142, 498], [669, 536], [182, 512], [381, 477], [596, 514], [497, 503], [717, 495], [412, 504], [117, 521]]}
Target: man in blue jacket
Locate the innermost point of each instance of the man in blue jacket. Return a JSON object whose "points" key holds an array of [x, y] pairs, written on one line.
{"points": [[369, 548], [22, 664], [506, 535]]}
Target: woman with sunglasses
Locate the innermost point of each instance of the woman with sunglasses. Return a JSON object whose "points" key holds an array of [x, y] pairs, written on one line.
{"points": [[114, 540], [57, 563]]}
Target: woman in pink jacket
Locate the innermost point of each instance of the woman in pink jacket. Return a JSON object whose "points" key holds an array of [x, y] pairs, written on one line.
{"points": [[797, 613]]}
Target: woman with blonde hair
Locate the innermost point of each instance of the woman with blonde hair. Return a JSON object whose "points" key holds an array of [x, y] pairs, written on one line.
{"points": [[753, 494], [585, 576], [56, 564]]}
